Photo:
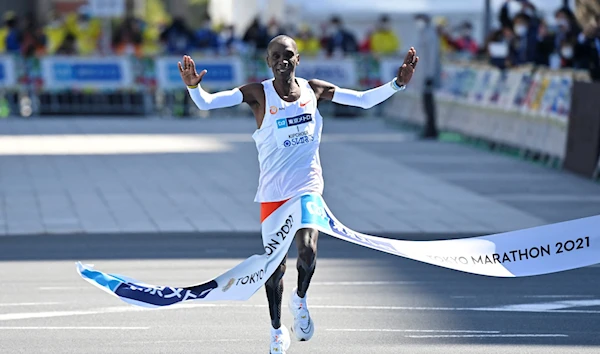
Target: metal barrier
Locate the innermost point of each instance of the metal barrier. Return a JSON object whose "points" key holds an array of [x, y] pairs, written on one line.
{"points": [[527, 108]]}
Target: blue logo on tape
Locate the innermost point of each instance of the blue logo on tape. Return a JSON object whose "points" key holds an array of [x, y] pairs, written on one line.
{"points": [[313, 211]]}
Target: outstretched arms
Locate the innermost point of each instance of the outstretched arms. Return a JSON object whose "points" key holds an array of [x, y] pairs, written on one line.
{"points": [[208, 101], [367, 99]]}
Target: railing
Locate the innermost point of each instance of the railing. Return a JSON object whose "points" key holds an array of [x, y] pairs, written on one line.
{"points": [[70, 85], [527, 108]]}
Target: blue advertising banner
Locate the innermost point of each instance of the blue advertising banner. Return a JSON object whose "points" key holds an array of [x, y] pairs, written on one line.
{"points": [[222, 73], [61, 72], [7, 71]]}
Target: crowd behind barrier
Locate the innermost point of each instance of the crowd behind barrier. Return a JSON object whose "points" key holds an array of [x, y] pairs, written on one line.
{"points": [[527, 108]]}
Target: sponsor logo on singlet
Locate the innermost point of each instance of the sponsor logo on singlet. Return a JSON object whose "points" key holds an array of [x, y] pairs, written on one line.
{"points": [[293, 121]]}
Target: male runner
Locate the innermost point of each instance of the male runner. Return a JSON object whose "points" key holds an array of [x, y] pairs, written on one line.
{"points": [[287, 139]]}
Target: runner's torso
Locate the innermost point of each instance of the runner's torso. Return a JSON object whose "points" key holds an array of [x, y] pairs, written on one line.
{"points": [[288, 145]]}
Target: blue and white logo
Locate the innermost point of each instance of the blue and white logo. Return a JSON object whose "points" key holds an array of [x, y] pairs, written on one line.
{"points": [[313, 211], [281, 123], [297, 120]]}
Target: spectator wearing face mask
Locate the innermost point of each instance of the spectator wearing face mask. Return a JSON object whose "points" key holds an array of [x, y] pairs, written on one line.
{"points": [[526, 38], [566, 25], [567, 53]]}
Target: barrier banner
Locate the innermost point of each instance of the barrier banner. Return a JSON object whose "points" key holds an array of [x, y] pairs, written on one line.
{"points": [[222, 73], [8, 71], [528, 252], [340, 72], [560, 106], [65, 72]]}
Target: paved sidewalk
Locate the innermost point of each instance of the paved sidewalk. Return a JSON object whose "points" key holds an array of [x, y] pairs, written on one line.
{"points": [[128, 175]]}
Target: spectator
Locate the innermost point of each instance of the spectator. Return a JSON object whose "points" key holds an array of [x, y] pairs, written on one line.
{"points": [[365, 45], [68, 45], [229, 43], [55, 32], [87, 30], [545, 47], [447, 43], [308, 43], [526, 37], [207, 39], [590, 45], [567, 25], [127, 39], [341, 40], [256, 36], [178, 38], [34, 39], [428, 43], [567, 51], [12, 37], [274, 29], [499, 48], [383, 40], [465, 43]]}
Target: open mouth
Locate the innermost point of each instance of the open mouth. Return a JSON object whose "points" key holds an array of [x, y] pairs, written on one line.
{"points": [[283, 70]]}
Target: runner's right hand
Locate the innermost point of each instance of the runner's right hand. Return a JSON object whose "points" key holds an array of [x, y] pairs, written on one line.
{"points": [[188, 71]]}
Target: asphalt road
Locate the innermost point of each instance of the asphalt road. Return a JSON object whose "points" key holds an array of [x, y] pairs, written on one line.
{"points": [[361, 300]]}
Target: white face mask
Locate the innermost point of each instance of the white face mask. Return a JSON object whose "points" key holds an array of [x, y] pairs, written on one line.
{"points": [[567, 52], [420, 24], [520, 30]]}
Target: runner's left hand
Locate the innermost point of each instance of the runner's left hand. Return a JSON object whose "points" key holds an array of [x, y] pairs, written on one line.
{"points": [[406, 71]]}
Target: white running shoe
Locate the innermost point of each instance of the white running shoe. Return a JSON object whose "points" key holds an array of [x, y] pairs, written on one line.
{"points": [[303, 327], [280, 340]]}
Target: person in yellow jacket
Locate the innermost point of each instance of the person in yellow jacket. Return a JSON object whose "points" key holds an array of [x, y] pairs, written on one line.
{"points": [[308, 44], [384, 41]]}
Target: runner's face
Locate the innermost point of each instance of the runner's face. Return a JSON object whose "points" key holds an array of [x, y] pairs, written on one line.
{"points": [[283, 58]]}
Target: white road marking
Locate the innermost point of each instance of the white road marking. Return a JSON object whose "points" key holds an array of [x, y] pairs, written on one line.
{"points": [[488, 336], [544, 306], [404, 330], [194, 341], [17, 304], [74, 328], [131, 308], [557, 296], [463, 297]]}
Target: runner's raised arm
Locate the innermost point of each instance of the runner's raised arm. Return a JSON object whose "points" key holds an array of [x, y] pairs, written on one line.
{"points": [[367, 99]]}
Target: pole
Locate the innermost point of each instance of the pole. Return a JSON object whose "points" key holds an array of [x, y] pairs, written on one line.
{"points": [[487, 19]]}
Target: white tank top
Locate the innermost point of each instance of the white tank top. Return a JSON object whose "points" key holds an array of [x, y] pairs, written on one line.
{"points": [[288, 145]]}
